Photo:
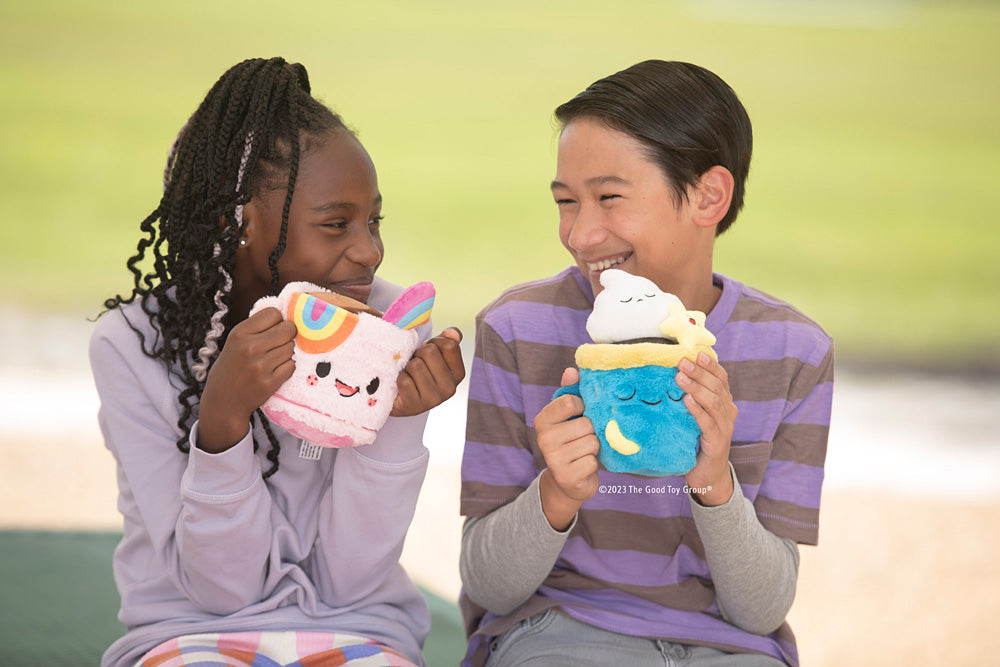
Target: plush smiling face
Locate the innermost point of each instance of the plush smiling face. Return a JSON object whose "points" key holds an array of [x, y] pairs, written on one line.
{"points": [[346, 365], [628, 308], [640, 419]]}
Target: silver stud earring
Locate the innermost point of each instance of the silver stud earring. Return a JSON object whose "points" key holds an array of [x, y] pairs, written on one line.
{"points": [[243, 241]]}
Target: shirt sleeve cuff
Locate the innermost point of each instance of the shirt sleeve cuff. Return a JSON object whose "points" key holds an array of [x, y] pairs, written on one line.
{"points": [[225, 474], [729, 508], [535, 514]]}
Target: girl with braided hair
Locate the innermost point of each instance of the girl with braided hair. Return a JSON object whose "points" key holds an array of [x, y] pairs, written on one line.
{"points": [[237, 549]]}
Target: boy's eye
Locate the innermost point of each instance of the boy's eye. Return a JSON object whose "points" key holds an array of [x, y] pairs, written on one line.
{"points": [[563, 202], [607, 197]]}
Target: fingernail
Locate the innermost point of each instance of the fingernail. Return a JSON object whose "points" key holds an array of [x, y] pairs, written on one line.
{"points": [[686, 365], [683, 379], [704, 359]]}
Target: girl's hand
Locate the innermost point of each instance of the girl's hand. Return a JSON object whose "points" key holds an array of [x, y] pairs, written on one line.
{"points": [[569, 447], [431, 376], [255, 361], [711, 404]]}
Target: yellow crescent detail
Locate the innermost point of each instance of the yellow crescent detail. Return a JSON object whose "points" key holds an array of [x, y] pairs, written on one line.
{"points": [[619, 442]]}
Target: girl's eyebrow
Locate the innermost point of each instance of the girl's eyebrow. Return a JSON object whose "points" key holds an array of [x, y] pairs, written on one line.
{"points": [[595, 180], [332, 206]]}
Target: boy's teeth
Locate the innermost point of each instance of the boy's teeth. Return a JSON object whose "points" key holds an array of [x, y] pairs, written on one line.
{"points": [[605, 264]]}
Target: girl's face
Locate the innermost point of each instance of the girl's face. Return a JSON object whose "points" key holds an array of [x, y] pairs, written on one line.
{"points": [[333, 224], [616, 209]]}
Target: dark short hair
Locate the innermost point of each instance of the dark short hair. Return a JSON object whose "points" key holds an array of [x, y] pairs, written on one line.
{"points": [[687, 118]]}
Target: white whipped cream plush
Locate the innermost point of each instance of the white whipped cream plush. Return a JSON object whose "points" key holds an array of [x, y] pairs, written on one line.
{"points": [[346, 363], [628, 308]]}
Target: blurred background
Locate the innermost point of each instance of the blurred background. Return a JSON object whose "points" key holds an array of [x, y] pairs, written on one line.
{"points": [[871, 206]]}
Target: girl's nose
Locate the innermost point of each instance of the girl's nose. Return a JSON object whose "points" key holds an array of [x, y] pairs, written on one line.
{"points": [[366, 249]]}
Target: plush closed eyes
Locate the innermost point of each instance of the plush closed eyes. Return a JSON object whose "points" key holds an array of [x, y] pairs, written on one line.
{"points": [[656, 402]]}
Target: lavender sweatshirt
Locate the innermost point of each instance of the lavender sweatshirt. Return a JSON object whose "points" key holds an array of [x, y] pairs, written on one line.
{"points": [[210, 546]]}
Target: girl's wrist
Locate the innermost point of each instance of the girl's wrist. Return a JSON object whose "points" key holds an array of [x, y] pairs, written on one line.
{"points": [[215, 436]]}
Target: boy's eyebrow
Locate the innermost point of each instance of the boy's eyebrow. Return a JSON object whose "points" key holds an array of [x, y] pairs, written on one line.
{"points": [[596, 180], [331, 206]]}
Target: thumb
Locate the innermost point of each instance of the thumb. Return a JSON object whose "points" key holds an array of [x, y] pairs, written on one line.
{"points": [[453, 333], [569, 376]]}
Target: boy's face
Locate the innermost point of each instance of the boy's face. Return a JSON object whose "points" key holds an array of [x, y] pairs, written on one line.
{"points": [[616, 209]]}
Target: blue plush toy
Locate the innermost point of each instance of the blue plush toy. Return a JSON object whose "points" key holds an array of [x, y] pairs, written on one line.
{"points": [[627, 377]]}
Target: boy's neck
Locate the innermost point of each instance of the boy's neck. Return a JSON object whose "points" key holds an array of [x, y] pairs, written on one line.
{"points": [[702, 296]]}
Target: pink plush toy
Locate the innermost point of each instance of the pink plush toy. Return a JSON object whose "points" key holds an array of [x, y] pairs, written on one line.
{"points": [[346, 363]]}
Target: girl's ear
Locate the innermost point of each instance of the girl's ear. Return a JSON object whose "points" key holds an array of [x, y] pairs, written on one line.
{"points": [[712, 196], [252, 227]]}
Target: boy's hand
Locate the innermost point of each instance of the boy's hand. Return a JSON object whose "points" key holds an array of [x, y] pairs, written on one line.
{"points": [[711, 404], [570, 449], [431, 376], [255, 361]]}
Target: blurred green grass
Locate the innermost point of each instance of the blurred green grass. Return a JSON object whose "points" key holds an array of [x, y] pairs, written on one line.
{"points": [[871, 196]]}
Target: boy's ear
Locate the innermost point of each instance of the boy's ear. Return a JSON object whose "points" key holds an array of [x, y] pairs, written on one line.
{"points": [[712, 196]]}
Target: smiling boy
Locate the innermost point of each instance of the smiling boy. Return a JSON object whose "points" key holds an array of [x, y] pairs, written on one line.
{"points": [[651, 168]]}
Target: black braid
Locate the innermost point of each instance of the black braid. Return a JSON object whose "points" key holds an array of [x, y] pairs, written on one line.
{"points": [[260, 110]]}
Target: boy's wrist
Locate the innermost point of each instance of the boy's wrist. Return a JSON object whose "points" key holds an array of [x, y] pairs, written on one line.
{"points": [[559, 509], [713, 494]]}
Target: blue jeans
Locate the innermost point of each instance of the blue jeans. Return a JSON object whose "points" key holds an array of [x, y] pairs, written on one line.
{"points": [[552, 639]]}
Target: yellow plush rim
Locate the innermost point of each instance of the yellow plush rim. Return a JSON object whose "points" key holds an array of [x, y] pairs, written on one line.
{"points": [[608, 356]]}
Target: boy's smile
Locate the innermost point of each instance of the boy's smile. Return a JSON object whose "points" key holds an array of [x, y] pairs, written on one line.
{"points": [[616, 209]]}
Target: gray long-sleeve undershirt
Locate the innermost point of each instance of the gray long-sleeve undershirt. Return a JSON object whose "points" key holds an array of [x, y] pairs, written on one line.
{"points": [[507, 554]]}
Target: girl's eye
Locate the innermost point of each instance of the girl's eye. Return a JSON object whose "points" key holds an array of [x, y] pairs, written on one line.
{"points": [[376, 220], [339, 224]]}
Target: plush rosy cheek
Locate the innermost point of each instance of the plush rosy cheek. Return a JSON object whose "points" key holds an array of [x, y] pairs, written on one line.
{"points": [[372, 402], [312, 380]]}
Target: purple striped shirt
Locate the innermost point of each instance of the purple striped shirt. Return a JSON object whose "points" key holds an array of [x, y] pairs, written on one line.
{"points": [[634, 562]]}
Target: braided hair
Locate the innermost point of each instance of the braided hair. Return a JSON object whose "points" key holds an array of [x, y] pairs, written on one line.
{"points": [[245, 137]]}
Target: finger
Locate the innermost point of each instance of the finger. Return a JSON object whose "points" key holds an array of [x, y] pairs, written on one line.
{"points": [[559, 410], [450, 352], [423, 381], [569, 376], [441, 374], [277, 356], [406, 396], [454, 333], [278, 337], [567, 436], [707, 373], [261, 320]]}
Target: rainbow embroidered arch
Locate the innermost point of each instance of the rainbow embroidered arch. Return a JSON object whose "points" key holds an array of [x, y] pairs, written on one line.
{"points": [[321, 326]]}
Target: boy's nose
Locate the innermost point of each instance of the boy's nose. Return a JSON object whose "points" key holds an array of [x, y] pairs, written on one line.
{"points": [[587, 231]]}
